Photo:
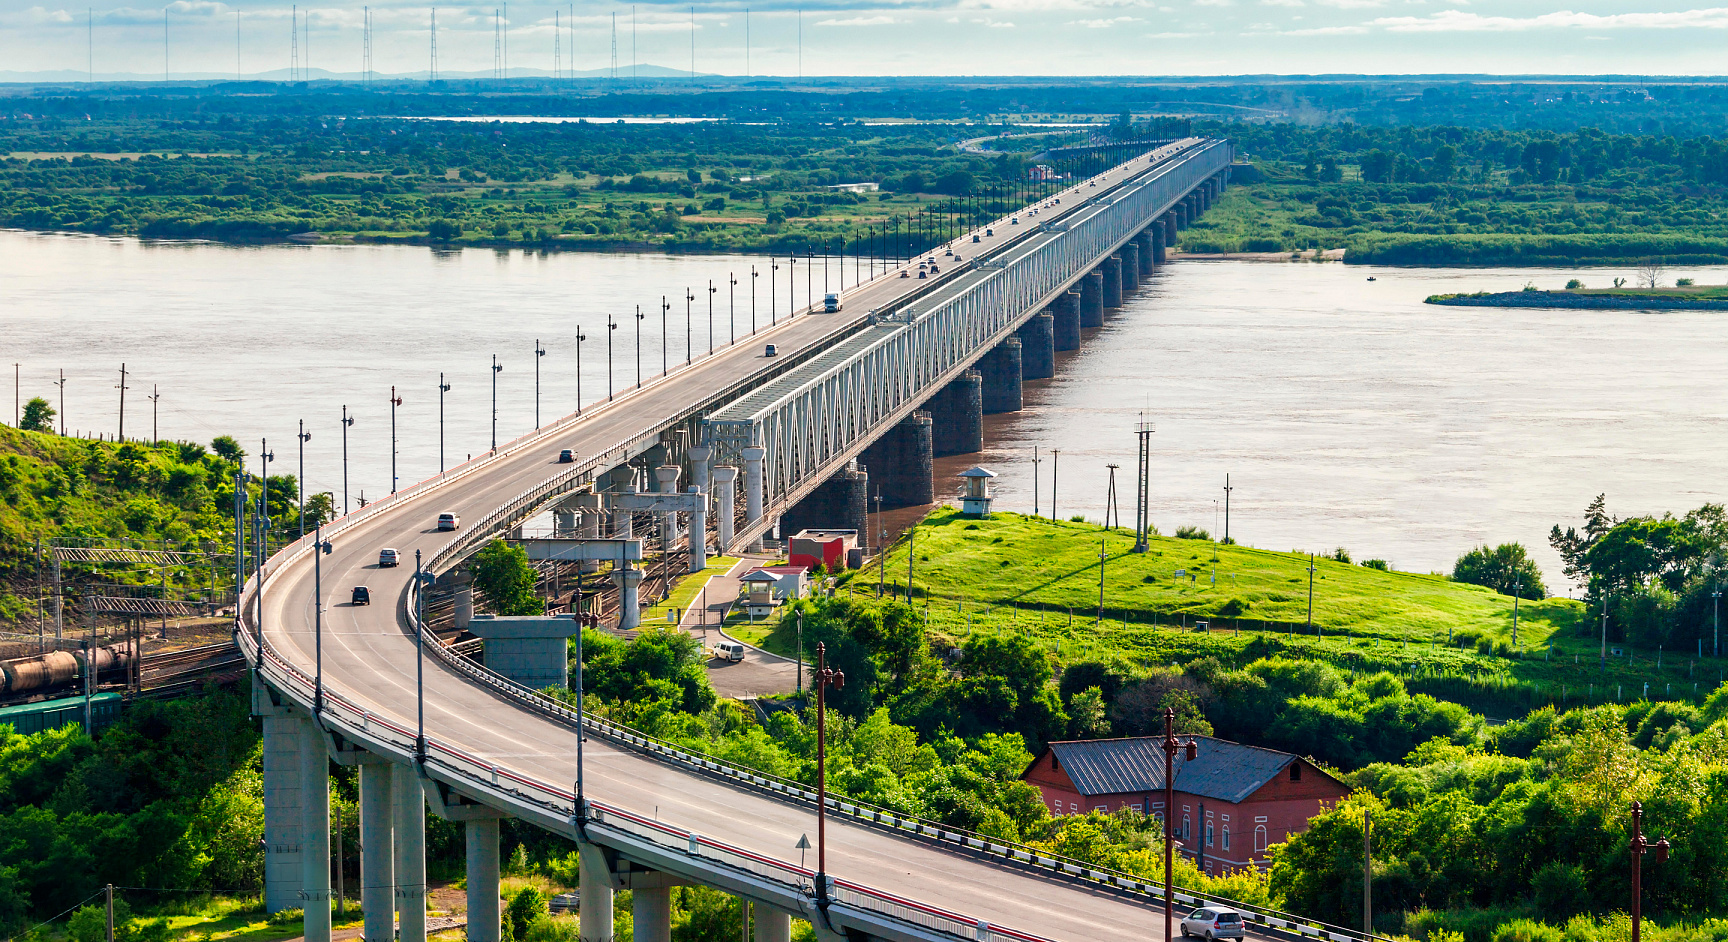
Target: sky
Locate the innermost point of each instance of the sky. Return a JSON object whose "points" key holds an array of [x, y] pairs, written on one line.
{"points": [[888, 37]]}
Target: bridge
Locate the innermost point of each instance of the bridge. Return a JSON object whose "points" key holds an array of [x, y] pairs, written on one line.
{"points": [[904, 370]]}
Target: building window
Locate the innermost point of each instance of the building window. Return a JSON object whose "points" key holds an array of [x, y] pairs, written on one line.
{"points": [[1295, 771], [1226, 837], [1208, 834], [1101, 808], [1259, 837], [1074, 806], [1184, 823], [1135, 806]]}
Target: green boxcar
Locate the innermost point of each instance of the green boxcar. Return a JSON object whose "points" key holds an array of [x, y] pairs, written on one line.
{"points": [[52, 714]]}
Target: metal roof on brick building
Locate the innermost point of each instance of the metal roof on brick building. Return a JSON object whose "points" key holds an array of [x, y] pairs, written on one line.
{"points": [[1225, 770]]}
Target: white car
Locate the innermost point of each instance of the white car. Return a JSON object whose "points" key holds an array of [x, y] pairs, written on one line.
{"points": [[1213, 922], [729, 651], [448, 521], [388, 557]]}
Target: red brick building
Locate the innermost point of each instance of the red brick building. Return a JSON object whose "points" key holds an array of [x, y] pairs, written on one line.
{"points": [[1232, 802]]}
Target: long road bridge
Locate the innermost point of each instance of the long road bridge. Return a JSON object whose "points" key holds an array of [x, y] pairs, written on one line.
{"points": [[904, 370]]}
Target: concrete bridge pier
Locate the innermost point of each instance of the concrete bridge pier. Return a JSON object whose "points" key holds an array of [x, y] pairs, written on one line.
{"points": [[1092, 299], [629, 597], [483, 907], [666, 481], [957, 416], [377, 852], [753, 456], [315, 833], [1154, 243], [1148, 259], [698, 457], [1169, 221], [1038, 346], [1180, 212], [724, 477], [1112, 269], [1130, 266], [651, 914], [1065, 322], [1001, 368], [594, 919], [623, 521], [283, 869], [410, 847], [901, 462], [698, 534], [842, 501], [772, 925]]}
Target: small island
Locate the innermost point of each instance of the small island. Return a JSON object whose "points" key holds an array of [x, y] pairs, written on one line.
{"points": [[1684, 296]]}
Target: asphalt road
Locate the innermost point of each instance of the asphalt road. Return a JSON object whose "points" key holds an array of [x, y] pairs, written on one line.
{"points": [[368, 656]]}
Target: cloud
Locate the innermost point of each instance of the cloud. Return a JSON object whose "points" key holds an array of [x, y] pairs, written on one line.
{"points": [[993, 23], [1351, 4], [861, 21], [1328, 31], [1282, 3], [1214, 3], [1172, 35], [1105, 24], [1458, 21]]}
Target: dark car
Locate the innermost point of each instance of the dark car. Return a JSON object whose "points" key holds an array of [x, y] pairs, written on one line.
{"points": [[566, 456], [362, 595]]}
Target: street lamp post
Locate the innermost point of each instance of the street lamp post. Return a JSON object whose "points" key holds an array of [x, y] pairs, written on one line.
{"points": [[610, 327], [443, 388], [1310, 590], [395, 401], [732, 309], [824, 678], [580, 336], [539, 352], [422, 580], [639, 316], [347, 421], [1639, 847], [711, 290], [689, 332], [1055, 456], [1716, 621], [665, 306], [303, 437], [1190, 749], [320, 549], [496, 369]]}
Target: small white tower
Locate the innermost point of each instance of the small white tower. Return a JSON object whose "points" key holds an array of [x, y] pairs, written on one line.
{"points": [[976, 501]]}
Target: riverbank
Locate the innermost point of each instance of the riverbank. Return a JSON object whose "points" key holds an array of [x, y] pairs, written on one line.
{"points": [[1658, 299]]}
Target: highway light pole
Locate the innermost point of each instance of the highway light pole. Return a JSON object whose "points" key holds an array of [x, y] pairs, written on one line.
{"points": [[581, 730], [639, 316], [665, 340], [1311, 591], [1640, 847], [395, 401], [1227, 490], [773, 310], [320, 549], [825, 678], [689, 332], [1190, 749], [732, 309], [1055, 453], [422, 580], [539, 352], [302, 437], [443, 388], [711, 290], [580, 336], [496, 369], [347, 422], [1716, 621], [754, 274], [610, 327]]}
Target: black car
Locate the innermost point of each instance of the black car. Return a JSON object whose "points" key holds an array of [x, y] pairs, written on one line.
{"points": [[362, 596], [566, 456]]}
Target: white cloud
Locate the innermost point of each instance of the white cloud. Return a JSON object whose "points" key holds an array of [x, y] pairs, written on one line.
{"points": [[1172, 35], [1214, 3], [1460, 21], [1351, 4], [993, 23], [1282, 3], [1105, 23], [1328, 31], [861, 21]]}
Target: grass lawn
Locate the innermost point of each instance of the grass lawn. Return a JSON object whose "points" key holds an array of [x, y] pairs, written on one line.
{"points": [[225, 919], [686, 590]]}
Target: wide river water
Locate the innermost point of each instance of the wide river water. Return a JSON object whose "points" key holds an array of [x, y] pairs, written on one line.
{"points": [[1346, 412]]}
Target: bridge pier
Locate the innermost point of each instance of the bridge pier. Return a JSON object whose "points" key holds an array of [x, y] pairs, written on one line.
{"points": [[1092, 300], [377, 853], [623, 521], [1112, 269], [901, 462], [772, 925], [1130, 266], [314, 832], [410, 846], [1038, 346], [283, 869], [594, 918], [1001, 369], [698, 533], [1169, 221], [724, 477], [1065, 321], [698, 456], [651, 914], [1154, 242], [666, 482], [1148, 259], [753, 456], [957, 416], [629, 597], [841, 502], [1180, 213], [482, 878]]}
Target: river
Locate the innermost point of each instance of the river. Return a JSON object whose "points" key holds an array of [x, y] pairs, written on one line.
{"points": [[1345, 411]]}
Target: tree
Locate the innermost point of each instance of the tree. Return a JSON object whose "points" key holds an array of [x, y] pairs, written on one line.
{"points": [[443, 230], [1650, 273], [38, 416], [1087, 712], [1507, 569], [320, 509], [501, 571], [1572, 544], [227, 449]]}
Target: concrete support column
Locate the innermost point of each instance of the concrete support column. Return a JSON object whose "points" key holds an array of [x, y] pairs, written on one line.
{"points": [[1091, 299], [596, 898], [410, 849], [699, 456], [1155, 238], [753, 496], [666, 482], [841, 502], [1065, 323], [957, 416], [314, 832], [623, 522], [698, 536], [772, 925], [1130, 253], [283, 871], [901, 462], [724, 477], [629, 597], [1180, 212], [1001, 369], [1169, 221], [483, 906], [1038, 346], [1112, 270], [377, 852], [651, 915], [1148, 259]]}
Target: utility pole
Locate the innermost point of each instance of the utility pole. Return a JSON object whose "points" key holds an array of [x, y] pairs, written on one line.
{"points": [[1367, 874], [1716, 621], [155, 397], [1035, 460], [443, 388], [1055, 454], [1227, 490], [539, 352], [1517, 587], [1110, 497], [395, 401], [1639, 847], [346, 422], [1310, 590], [122, 387], [1190, 749], [1142, 508], [495, 369], [1102, 556], [62, 384]]}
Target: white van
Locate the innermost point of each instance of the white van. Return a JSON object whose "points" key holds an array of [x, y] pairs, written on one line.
{"points": [[729, 651]]}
